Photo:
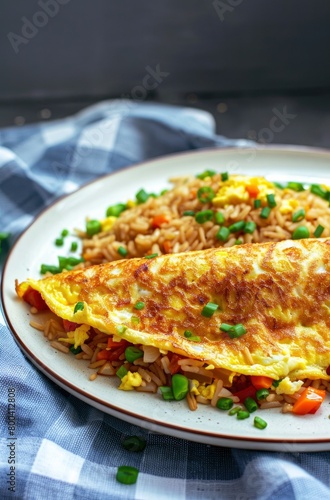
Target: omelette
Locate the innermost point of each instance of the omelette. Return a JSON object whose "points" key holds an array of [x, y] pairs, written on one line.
{"points": [[254, 309]]}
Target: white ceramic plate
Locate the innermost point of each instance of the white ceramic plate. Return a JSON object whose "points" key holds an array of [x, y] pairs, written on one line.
{"points": [[208, 425]]}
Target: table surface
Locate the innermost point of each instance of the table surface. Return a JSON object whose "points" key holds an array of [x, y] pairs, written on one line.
{"points": [[272, 119]]}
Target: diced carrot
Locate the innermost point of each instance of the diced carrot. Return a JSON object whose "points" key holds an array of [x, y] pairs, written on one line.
{"points": [[253, 190], [158, 220], [261, 382], [167, 245], [248, 392], [69, 326], [33, 297], [309, 401]]}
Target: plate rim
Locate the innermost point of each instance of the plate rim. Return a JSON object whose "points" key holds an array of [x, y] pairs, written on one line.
{"points": [[93, 400]]}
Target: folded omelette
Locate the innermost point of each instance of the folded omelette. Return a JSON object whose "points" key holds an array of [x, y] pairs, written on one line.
{"points": [[279, 294]]}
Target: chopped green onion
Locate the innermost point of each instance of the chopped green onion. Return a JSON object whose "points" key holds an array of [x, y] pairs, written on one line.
{"points": [[234, 410], [250, 405], [121, 329], [219, 218], [142, 196], [135, 320], [121, 372], [45, 268], [163, 191], [167, 392], [295, 186], [224, 403], [139, 305], [59, 242], [78, 307], [122, 251], [262, 394], [115, 210], [249, 227], [68, 262], [318, 231], [195, 338], [74, 246], [237, 331], [133, 353], [300, 233], [234, 331], [278, 185], [206, 173], [209, 309], [259, 423], [316, 189], [3, 238], [276, 383], [237, 226], [189, 335], [205, 194], [225, 327], [76, 350], [238, 242], [127, 474], [93, 226], [265, 212], [257, 203], [224, 176], [189, 212], [223, 234], [204, 216], [180, 386], [64, 233], [298, 215], [151, 256], [242, 414], [134, 443], [271, 200]]}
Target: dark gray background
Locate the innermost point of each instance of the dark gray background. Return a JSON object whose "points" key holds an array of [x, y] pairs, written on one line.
{"points": [[240, 64]]}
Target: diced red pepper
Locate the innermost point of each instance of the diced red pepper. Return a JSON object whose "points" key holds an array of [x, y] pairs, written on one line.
{"points": [[110, 354], [34, 298], [112, 343], [174, 367], [248, 392], [69, 326]]}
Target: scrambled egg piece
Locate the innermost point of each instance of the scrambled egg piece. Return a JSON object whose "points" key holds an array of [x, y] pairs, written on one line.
{"points": [[77, 337], [240, 189], [207, 391], [129, 381], [131, 204], [288, 387], [107, 223], [288, 206]]}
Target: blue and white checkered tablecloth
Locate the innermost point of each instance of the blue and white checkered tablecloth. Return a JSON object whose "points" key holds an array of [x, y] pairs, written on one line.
{"points": [[66, 449]]}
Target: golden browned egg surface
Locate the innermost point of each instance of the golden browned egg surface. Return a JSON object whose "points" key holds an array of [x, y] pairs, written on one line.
{"points": [[280, 292]]}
